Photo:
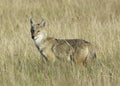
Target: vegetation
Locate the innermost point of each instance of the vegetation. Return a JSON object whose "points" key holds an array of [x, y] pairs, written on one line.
{"points": [[97, 21]]}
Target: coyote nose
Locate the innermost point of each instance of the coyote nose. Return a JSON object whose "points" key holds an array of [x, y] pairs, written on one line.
{"points": [[32, 37]]}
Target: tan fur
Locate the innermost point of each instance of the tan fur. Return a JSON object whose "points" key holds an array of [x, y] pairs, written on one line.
{"points": [[75, 50]]}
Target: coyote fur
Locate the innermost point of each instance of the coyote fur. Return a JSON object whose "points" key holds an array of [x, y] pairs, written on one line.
{"points": [[75, 50]]}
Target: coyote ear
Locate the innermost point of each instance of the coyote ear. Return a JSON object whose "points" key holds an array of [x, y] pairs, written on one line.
{"points": [[31, 22], [43, 23]]}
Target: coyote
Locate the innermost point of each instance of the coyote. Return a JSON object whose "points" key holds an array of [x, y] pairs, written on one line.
{"points": [[75, 50]]}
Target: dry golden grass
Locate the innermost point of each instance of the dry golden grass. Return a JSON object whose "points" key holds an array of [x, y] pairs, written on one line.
{"points": [[97, 21]]}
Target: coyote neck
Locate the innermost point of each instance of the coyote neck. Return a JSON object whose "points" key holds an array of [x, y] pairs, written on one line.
{"points": [[39, 40]]}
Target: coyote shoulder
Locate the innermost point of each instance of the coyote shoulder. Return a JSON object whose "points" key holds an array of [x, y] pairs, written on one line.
{"points": [[75, 50]]}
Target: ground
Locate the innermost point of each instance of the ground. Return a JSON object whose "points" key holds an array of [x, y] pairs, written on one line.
{"points": [[97, 21]]}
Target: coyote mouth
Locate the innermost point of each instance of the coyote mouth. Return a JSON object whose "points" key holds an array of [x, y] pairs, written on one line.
{"points": [[36, 38]]}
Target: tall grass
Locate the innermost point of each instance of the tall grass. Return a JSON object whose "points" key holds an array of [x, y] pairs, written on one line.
{"points": [[97, 21]]}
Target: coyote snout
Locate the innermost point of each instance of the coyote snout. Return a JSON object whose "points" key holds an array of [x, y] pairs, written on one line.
{"points": [[75, 50]]}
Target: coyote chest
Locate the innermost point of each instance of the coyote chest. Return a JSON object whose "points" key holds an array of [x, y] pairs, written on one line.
{"points": [[39, 41]]}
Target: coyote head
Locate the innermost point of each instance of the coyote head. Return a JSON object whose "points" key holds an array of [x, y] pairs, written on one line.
{"points": [[36, 28]]}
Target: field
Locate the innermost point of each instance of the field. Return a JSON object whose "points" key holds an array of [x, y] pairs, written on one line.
{"points": [[97, 21]]}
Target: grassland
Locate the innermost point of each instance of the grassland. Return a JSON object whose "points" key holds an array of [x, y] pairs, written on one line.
{"points": [[97, 21]]}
